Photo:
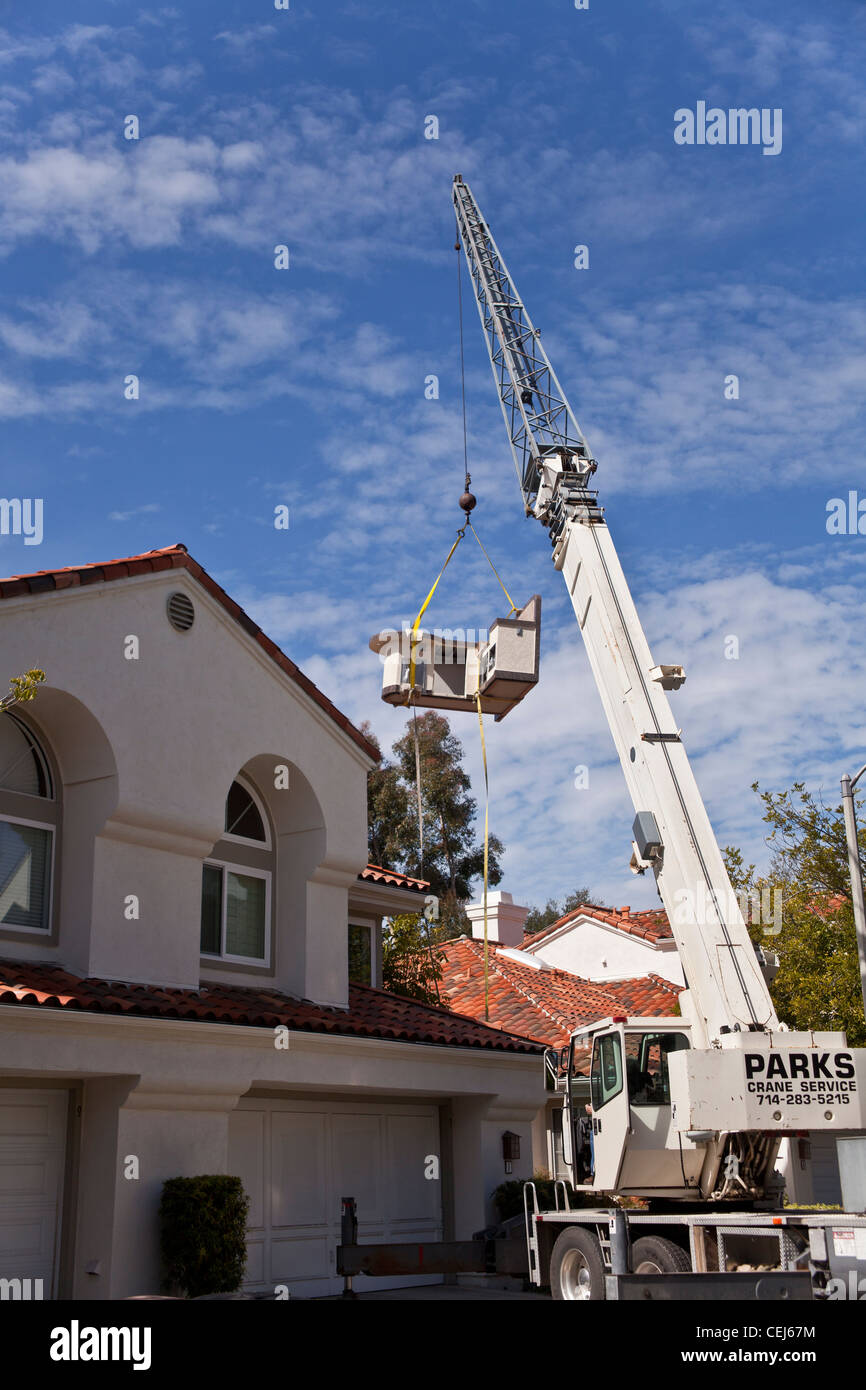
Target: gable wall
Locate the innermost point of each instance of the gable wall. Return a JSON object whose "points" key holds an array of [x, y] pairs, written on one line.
{"points": [[599, 953], [147, 750]]}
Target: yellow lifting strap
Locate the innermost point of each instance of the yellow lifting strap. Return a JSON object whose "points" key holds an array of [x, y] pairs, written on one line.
{"points": [[413, 645], [422, 610], [424, 606], [486, 853]]}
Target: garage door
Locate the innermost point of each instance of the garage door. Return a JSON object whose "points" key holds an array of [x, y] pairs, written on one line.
{"points": [[32, 1148], [298, 1159]]}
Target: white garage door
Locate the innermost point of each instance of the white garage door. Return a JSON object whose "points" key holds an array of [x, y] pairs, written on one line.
{"points": [[32, 1148], [298, 1159]]}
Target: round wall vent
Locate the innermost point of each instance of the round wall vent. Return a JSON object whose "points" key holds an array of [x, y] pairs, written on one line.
{"points": [[181, 613]]}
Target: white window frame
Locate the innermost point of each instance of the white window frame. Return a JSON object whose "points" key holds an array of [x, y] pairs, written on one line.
{"points": [[35, 825], [244, 871], [266, 843]]}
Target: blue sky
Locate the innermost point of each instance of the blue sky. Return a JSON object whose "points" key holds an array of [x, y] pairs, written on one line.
{"points": [[306, 387]]}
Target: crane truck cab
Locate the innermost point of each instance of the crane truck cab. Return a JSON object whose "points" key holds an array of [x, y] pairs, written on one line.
{"points": [[652, 1113], [626, 1141]]}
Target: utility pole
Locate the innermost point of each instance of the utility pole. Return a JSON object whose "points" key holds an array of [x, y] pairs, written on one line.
{"points": [[848, 785]]}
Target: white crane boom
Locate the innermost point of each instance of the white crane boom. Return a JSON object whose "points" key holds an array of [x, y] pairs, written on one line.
{"points": [[672, 830], [680, 1108]]}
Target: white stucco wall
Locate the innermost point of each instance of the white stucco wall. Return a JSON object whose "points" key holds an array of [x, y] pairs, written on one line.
{"points": [[163, 1092], [596, 952], [147, 750]]}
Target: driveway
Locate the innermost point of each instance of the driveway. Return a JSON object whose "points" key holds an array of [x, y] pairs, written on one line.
{"points": [[437, 1293]]}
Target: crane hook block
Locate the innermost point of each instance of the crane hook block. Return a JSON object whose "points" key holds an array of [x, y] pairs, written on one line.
{"points": [[452, 664]]}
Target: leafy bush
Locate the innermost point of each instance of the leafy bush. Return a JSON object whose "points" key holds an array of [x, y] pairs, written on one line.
{"points": [[508, 1197], [203, 1224]]}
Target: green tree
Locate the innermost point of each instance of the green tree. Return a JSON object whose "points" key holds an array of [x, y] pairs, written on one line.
{"points": [[541, 917], [411, 958], [453, 857], [388, 824], [22, 689], [818, 982]]}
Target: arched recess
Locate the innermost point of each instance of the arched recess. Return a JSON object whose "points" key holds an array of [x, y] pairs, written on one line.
{"points": [[84, 772], [296, 822]]}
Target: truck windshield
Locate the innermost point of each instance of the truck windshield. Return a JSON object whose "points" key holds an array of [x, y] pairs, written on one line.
{"points": [[646, 1066]]}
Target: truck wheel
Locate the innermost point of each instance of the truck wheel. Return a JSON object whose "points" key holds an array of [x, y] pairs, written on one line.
{"points": [[576, 1266], [655, 1255]]}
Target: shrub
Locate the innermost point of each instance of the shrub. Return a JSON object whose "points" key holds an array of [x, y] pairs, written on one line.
{"points": [[508, 1196], [202, 1233]]}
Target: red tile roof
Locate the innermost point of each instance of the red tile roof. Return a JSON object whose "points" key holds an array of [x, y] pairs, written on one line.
{"points": [[372, 1013], [543, 1004], [651, 924], [177, 557], [374, 873]]}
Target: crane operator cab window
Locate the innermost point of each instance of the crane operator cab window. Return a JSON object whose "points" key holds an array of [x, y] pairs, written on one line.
{"points": [[606, 1074], [646, 1066]]}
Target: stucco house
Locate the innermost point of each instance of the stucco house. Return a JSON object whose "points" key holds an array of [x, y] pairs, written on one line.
{"points": [[609, 944], [528, 995], [183, 882]]}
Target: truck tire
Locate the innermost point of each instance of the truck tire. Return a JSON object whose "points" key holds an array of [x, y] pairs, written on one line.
{"points": [[655, 1255], [576, 1266]]}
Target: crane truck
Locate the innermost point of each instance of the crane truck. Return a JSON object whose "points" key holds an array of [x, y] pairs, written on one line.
{"points": [[685, 1115], [671, 1127]]}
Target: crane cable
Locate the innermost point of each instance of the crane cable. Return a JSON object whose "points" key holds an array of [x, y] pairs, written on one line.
{"points": [[433, 974], [413, 643], [486, 855], [512, 608], [413, 646], [462, 359]]}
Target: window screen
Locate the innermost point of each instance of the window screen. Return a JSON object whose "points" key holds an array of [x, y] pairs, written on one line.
{"points": [[233, 913], [360, 955], [211, 909], [245, 915], [25, 875]]}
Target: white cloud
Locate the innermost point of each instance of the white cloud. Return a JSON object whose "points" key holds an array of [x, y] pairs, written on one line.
{"points": [[790, 708], [241, 42], [142, 194], [53, 80], [72, 40], [52, 329], [655, 372], [144, 510]]}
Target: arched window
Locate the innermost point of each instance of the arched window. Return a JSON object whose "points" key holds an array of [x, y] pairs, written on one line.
{"points": [[237, 883], [28, 830]]}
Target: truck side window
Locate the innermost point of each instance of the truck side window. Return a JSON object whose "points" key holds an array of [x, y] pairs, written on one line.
{"points": [[646, 1065], [606, 1074]]}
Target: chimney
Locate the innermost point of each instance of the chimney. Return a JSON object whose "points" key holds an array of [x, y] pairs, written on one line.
{"points": [[505, 919]]}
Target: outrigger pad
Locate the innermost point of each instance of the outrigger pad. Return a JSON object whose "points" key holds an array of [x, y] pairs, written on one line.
{"points": [[450, 665]]}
